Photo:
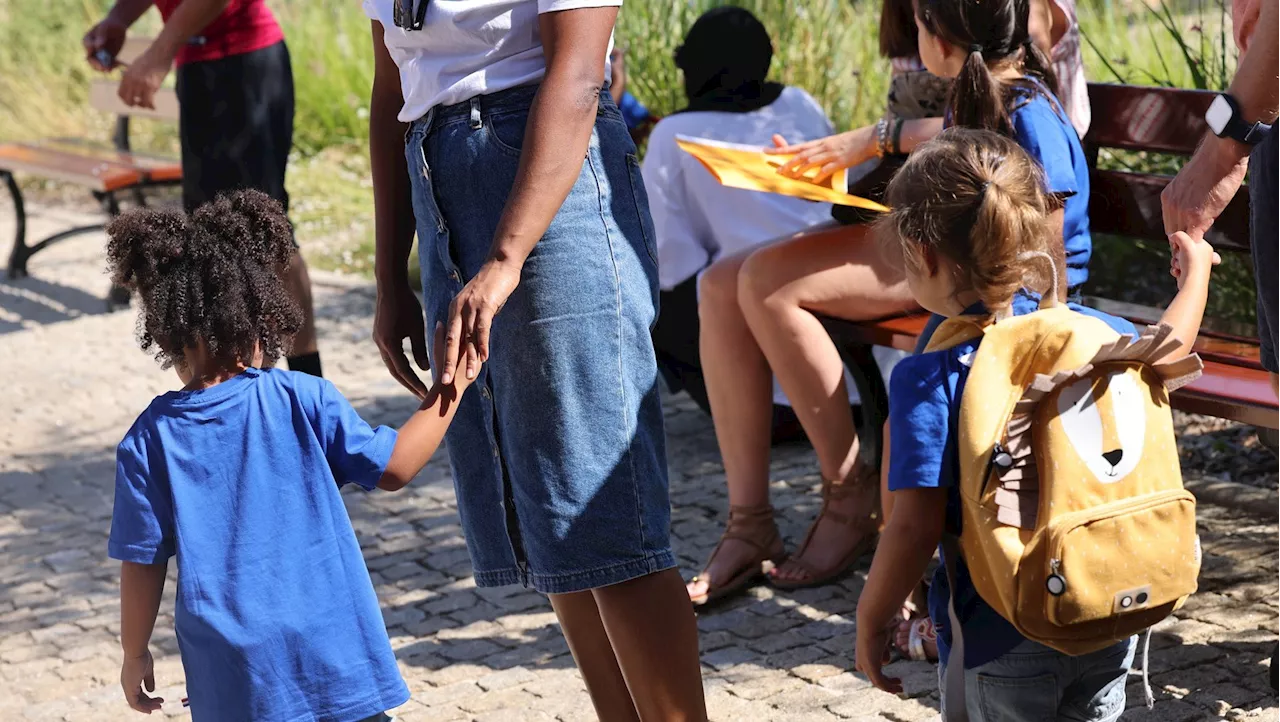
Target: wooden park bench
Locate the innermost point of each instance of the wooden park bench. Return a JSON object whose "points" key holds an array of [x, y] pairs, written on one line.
{"points": [[1234, 385], [111, 172]]}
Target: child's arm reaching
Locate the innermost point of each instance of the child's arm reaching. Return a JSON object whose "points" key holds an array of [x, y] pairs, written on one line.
{"points": [[141, 586], [421, 435], [905, 548], [1191, 263]]}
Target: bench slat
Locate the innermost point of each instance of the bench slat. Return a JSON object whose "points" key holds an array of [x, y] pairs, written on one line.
{"points": [[1128, 204], [103, 95], [1165, 120], [157, 168], [95, 173]]}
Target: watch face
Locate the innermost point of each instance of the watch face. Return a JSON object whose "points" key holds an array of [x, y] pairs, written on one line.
{"points": [[1218, 115]]}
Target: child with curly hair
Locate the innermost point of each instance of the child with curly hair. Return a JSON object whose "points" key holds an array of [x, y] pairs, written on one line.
{"points": [[238, 475]]}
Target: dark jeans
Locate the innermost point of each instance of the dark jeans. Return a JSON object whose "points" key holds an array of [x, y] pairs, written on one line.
{"points": [[1264, 236], [236, 124]]}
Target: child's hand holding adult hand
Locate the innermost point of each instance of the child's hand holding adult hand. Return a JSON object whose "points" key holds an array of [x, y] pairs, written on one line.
{"points": [[872, 654], [135, 673], [466, 370], [828, 155], [1191, 259]]}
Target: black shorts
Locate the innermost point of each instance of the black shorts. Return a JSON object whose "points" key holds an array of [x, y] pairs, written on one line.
{"points": [[1264, 236], [236, 124]]}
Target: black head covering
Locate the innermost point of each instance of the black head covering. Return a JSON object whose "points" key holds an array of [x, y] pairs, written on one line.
{"points": [[725, 59]]}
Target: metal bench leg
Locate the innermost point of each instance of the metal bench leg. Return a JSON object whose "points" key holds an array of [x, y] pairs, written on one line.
{"points": [[861, 362], [20, 253]]}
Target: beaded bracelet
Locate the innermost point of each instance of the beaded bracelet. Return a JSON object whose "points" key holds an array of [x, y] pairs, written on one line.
{"points": [[882, 137]]}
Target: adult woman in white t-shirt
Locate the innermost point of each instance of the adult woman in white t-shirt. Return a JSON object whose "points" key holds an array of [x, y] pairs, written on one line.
{"points": [[490, 136]]}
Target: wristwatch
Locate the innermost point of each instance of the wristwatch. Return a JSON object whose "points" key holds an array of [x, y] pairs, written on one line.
{"points": [[1224, 120]]}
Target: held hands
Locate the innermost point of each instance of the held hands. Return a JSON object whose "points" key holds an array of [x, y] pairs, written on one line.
{"points": [[1205, 185], [460, 379], [828, 155], [471, 318], [873, 654], [135, 673], [1191, 259]]}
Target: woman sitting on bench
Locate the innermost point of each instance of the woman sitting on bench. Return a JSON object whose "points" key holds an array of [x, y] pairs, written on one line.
{"points": [[760, 309]]}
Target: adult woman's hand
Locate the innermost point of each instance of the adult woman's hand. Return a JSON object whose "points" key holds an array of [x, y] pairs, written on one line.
{"points": [[397, 316], [827, 155], [471, 317]]}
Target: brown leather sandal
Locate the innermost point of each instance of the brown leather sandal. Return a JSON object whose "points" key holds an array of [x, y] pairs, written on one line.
{"points": [[869, 526], [755, 526]]}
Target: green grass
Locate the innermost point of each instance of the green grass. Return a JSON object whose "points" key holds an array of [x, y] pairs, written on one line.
{"points": [[827, 47]]}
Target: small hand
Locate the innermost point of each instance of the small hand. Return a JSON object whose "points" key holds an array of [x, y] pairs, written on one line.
{"points": [[1191, 259], [471, 317], [141, 80], [873, 654], [1205, 185], [108, 36], [470, 359], [135, 673], [827, 155], [397, 316]]}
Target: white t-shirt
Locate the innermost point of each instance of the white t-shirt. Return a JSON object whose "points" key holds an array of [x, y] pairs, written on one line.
{"points": [[698, 221], [468, 48]]}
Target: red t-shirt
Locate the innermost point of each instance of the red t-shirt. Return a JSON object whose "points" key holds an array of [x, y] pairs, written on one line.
{"points": [[243, 27]]}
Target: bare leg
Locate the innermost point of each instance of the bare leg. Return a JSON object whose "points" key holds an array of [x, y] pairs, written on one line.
{"points": [[589, 643], [655, 639], [740, 389], [839, 271], [299, 284]]}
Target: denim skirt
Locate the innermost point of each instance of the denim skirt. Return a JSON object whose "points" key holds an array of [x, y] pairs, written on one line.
{"points": [[558, 455]]}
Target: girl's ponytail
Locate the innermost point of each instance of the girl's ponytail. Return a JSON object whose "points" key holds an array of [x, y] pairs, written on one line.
{"points": [[977, 98]]}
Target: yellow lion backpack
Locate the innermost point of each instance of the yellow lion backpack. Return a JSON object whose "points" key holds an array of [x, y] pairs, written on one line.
{"points": [[1075, 525]]}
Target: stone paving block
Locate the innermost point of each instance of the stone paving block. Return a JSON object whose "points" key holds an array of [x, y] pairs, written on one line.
{"points": [[506, 678]]}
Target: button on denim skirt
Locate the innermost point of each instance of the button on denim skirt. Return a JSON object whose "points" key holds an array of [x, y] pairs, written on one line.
{"points": [[557, 450]]}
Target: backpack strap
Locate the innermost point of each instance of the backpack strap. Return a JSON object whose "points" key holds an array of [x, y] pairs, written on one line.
{"points": [[956, 330], [954, 707]]}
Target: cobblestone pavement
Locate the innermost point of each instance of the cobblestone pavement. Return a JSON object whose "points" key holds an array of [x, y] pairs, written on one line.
{"points": [[73, 380]]}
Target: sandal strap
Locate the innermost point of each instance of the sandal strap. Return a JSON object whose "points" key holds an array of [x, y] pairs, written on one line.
{"points": [[752, 525]]}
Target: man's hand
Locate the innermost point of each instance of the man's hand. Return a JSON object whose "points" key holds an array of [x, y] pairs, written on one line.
{"points": [[827, 155], [142, 79], [135, 673], [471, 317], [1204, 186], [108, 36], [397, 316], [872, 654], [1191, 259]]}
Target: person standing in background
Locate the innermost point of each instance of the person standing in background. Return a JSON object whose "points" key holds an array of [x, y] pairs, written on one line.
{"points": [[1241, 138], [235, 95]]}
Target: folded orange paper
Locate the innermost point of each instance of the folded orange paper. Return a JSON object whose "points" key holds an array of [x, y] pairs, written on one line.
{"points": [[750, 168]]}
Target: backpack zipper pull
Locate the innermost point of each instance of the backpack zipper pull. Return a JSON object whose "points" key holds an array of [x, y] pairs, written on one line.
{"points": [[1056, 583]]}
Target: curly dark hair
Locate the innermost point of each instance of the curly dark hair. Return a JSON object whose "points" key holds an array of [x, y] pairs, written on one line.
{"points": [[216, 276]]}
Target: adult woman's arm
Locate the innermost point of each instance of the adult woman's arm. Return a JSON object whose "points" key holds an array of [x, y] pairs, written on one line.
{"points": [[845, 150], [398, 313], [575, 43], [142, 79]]}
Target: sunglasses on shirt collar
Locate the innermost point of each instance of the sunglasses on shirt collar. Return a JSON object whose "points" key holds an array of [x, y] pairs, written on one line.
{"points": [[405, 17]]}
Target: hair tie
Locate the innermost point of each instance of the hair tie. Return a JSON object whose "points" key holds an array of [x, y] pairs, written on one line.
{"points": [[975, 48]]}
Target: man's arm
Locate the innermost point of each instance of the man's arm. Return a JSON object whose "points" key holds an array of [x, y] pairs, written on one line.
{"points": [[555, 143], [1207, 183], [109, 34], [142, 79]]}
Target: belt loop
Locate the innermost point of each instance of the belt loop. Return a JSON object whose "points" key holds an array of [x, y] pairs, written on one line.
{"points": [[475, 114]]}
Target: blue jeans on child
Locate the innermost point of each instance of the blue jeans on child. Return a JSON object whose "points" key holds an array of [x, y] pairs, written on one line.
{"points": [[1034, 682]]}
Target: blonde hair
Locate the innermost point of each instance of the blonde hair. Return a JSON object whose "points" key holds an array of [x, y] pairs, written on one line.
{"points": [[977, 199]]}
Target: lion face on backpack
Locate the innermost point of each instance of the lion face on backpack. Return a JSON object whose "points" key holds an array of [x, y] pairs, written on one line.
{"points": [[1104, 417]]}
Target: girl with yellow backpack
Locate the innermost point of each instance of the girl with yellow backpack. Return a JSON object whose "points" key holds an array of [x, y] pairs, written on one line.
{"points": [[1053, 481]]}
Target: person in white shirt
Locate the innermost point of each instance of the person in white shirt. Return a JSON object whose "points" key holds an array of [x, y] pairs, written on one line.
{"points": [[493, 136], [725, 60]]}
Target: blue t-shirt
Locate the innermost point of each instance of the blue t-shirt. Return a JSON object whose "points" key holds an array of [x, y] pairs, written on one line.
{"points": [[924, 400], [1043, 130], [276, 615], [633, 112]]}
